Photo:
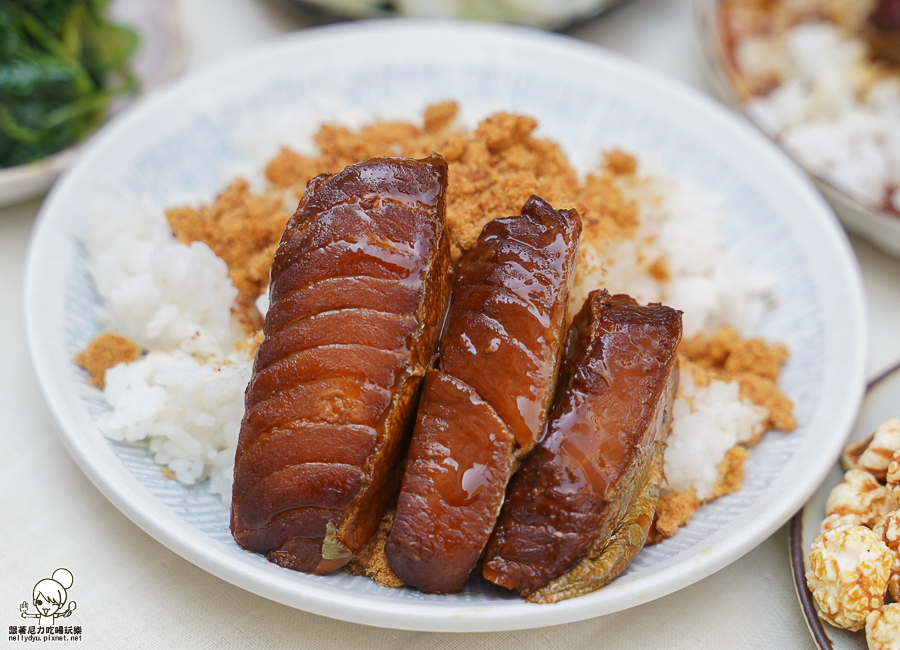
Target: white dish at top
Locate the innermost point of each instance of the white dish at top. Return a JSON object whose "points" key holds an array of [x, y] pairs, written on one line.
{"points": [[184, 144], [877, 226], [159, 57], [546, 14]]}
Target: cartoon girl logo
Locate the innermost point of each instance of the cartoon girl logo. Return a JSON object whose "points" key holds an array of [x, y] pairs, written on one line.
{"points": [[49, 596]]}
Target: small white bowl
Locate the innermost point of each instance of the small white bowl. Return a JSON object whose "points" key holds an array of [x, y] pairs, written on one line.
{"points": [[160, 56], [877, 226], [549, 14]]}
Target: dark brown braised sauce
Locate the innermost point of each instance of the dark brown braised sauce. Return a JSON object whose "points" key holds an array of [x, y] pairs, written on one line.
{"points": [[882, 31], [610, 418], [487, 404], [359, 288]]}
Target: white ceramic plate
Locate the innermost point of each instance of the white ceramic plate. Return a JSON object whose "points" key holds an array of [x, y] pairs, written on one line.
{"points": [[182, 145], [160, 56], [882, 401], [877, 226], [546, 14]]}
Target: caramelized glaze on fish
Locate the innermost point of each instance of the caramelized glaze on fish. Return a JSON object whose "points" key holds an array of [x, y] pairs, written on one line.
{"points": [[603, 445], [487, 404], [359, 288]]}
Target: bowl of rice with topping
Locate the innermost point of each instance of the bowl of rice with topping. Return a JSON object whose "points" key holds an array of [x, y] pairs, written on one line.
{"points": [[148, 271], [822, 78]]}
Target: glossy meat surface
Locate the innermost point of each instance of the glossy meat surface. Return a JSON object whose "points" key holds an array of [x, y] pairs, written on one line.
{"points": [[359, 288], [460, 453], [487, 404], [507, 314], [610, 418]]}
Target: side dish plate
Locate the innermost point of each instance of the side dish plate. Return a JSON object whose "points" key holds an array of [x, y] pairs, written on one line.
{"points": [[549, 14], [882, 401], [184, 143], [879, 227], [161, 55]]}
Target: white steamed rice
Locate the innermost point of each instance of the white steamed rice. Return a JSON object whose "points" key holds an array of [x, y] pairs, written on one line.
{"points": [[185, 397], [680, 223], [188, 410], [707, 421], [163, 294]]}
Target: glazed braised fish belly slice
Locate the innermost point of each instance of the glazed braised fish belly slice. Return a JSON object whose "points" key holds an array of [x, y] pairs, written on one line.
{"points": [[580, 506], [359, 288], [460, 459], [487, 404]]}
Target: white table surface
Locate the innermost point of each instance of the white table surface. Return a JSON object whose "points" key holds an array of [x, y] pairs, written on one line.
{"points": [[134, 593]]}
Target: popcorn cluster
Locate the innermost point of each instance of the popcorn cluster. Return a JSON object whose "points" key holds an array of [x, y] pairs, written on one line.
{"points": [[883, 628], [854, 562], [848, 574]]}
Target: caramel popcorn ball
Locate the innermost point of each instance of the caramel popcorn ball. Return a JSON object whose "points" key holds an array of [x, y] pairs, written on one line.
{"points": [[852, 452], [848, 573], [883, 628], [889, 531], [877, 456], [893, 476], [861, 494], [836, 520]]}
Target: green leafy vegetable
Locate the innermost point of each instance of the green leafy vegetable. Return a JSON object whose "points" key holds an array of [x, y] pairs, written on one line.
{"points": [[61, 63]]}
